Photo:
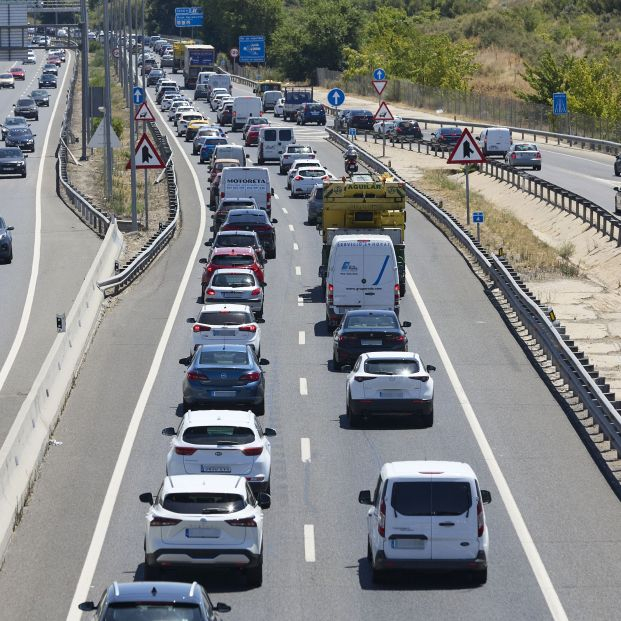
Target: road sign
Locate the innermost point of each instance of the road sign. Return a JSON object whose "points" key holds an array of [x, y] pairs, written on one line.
{"points": [[466, 151], [138, 95], [98, 139], [478, 217], [188, 16], [379, 85], [383, 113], [559, 103], [352, 132], [146, 155], [234, 52], [252, 49], [336, 97], [379, 74], [115, 52], [144, 113]]}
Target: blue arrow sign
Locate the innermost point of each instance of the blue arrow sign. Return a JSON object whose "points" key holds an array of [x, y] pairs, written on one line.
{"points": [[336, 97], [138, 95], [379, 74], [559, 103], [478, 216]]}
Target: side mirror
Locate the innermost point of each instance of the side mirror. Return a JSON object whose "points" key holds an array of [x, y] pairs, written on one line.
{"points": [[269, 432], [209, 242], [486, 497], [14, 105], [264, 284], [407, 324], [364, 497], [10, 228], [274, 221], [264, 362], [169, 431], [87, 606], [265, 500], [185, 361], [25, 155], [220, 607], [147, 497], [346, 368], [430, 368]]}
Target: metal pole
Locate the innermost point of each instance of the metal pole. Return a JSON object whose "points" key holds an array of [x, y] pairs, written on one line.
{"points": [[132, 128], [85, 85], [478, 232], [107, 104], [144, 129], [467, 196]]}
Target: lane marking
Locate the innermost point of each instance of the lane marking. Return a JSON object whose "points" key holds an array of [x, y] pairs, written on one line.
{"points": [[298, 270], [300, 301], [291, 228], [276, 196], [284, 210], [36, 253], [305, 450], [303, 386], [528, 545], [295, 246], [103, 522], [301, 337], [309, 543]]}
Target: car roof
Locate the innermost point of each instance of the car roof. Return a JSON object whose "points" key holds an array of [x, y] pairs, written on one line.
{"points": [[248, 212], [422, 469], [396, 355], [223, 308], [233, 270], [247, 233], [233, 250], [224, 417], [154, 591], [369, 313], [194, 483]]}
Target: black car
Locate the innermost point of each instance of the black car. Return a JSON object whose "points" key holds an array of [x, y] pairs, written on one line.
{"points": [[255, 220], [169, 88], [50, 68], [26, 107], [201, 92], [11, 122], [154, 76], [405, 131], [12, 161], [6, 242], [21, 137], [617, 165], [48, 80], [41, 97], [360, 119], [362, 331], [445, 137]]}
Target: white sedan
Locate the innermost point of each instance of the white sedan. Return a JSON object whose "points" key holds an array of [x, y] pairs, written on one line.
{"points": [[238, 285], [168, 100], [178, 103], [383, 127], [387, 383], [306, 179], [279, 107], [185, 119], [222, 442]]}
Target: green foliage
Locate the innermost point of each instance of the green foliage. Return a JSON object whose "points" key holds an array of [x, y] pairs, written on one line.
{"points": [[117, 125]]}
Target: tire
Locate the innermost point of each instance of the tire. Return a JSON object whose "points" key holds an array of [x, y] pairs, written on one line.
{"points": [[23, 175], [336, 365], [379, 576], [537, 168], [203, 293], [36, 118], [10, 257], [369, 553], [352, 419], [260, 161], [402, 290], [259, 410], [281, 171], [479, 577], [185, 407], [259, 314], [271, 254], [617, 171], [428, 419], [254, 575]]}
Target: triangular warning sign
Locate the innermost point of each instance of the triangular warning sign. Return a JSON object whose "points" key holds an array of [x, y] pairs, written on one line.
{"points": [[383, 113], [98, 139], [146, 155], [466, 151], [144, 113], [379, 85]]}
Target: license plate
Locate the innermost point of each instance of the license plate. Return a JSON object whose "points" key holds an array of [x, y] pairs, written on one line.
{"points": [[224, 332], [232, 294], [391, 394], [223, 393], [202, 532], [409, 544], [370, 342], [221, 469]]}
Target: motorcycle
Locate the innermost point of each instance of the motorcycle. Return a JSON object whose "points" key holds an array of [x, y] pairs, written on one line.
{"points": [[351, 166]]}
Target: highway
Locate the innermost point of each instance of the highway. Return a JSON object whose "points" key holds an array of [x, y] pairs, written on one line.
{"points": [[554, 537], [52, 249]]}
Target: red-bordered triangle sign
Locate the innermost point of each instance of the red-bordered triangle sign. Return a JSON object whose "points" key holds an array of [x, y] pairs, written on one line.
{"points": [[466, 151], [383, 113], [144, 113], [146, 155], [379, 85]]}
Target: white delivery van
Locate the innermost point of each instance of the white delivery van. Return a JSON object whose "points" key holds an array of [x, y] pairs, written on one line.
{"points": [[270, 98], [272, 142], [203, 76], [243, 108], [229, 152], [362, 273], [427, 515], [495, 141], [219, 80], [247, 182]]}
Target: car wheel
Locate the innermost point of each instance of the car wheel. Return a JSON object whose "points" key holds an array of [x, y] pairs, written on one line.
{"points": [[10, 256], [254, 575], [402, 290], [185, 406], [479, 577], [259, 410], [281, 171], [260, 161], [336, 365], [369, 553], [23, 175], [37, 117], [352, 419], [617, 171], [271, 254], [537, 167], [379, 576], [428, 419]]}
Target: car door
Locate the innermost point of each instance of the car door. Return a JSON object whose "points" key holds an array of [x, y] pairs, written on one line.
{"points": [[285, 137]]}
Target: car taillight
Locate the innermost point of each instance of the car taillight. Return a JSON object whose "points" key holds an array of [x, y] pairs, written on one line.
{"points": [[256, 291], [194, 375], [250, 328], [163, 521], [221, 194], [199, 328], [297, 178], [182, 450], [269, 199], [326, 177], [538, 156], [480, 518], [210, 291], [253, 376], [363, 379], [330, 293], [397, 294], [346, 337], [234, 113], [399, 338], [247, 522], [381, 525], [263, 227], [513, 156], [257, 450]]}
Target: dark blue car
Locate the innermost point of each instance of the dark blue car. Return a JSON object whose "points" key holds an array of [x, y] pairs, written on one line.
{"points": [[211, 142], [6, 242], [224, 376], [311, 113]]}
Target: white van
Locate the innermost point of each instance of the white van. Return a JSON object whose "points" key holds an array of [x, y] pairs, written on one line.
{"points": [[229, 152], [362, 272], [247, 182], [495, 141], [427, 515], [243, 108], [219, 80], [270, 98], [272, 142], [203, 76]]}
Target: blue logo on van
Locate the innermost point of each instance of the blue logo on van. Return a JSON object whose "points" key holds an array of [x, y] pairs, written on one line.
{"points": [[381, 272], [347, 267]]}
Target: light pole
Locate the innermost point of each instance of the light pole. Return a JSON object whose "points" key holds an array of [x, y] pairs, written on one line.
{"points": [[144, 126], [107, 104], [132, 129], [85, 85]]}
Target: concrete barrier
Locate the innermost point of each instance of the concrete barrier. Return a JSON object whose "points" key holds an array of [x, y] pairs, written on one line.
{"points": [[27, 440]]}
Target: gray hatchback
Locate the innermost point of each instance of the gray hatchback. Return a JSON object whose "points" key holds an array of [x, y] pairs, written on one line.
{"points": [[524, 154], [315, 204]]}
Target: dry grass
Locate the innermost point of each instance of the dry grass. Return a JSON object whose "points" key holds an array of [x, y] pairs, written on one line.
{"points": [[499, 73]]}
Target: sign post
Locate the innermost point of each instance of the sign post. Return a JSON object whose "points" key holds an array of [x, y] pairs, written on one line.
{"points": [[478, 217], [383, 114], [379, 82], [234, 53]]}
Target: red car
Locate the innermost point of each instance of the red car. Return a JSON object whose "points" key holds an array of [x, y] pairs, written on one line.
{"points": [[54, 60], [252, 135], [222, 258], [18, 73]]}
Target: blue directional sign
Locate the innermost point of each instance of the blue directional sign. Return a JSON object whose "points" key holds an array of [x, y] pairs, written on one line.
{"points": [[138, 95], [251, 49], [478, 216], [336, 97], [379, 74], [559, 103], [188, 16], [352, 132]]}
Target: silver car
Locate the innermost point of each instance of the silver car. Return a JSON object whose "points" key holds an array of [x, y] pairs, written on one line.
{"points": [[236, 285], [315, 204], [525, 154]]}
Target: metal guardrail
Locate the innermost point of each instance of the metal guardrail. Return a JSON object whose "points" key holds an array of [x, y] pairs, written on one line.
{"points": [[571, 365]]}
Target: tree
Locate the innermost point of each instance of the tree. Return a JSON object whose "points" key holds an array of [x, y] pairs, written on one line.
{"points": [[546, 77]]}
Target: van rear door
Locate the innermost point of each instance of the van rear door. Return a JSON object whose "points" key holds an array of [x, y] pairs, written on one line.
{"points": [[347, 275], [285, 137], [379, 276]]}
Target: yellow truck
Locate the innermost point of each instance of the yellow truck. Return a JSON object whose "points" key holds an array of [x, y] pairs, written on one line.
{"points": [[179, 53], [352, 207], [264, 86]]}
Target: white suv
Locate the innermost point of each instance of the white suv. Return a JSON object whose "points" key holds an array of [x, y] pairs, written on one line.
{"points": [[427, 515], [222, 442], [208, 520], [295, 152]]}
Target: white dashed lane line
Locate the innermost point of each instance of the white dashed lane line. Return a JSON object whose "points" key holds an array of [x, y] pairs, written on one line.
{"points": [[303, 387], [300, 301], [309, 543], [301, 337], [305, 450], [284, 210], [291, 228], [295, 246], [298, 270]]}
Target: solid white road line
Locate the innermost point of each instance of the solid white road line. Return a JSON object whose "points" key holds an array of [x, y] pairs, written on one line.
{"points": [[309, 543], [291, 228], [298, 270], [295, 246], [303, 386], [92, 557], [305, 450], [545, 584], [300, 301], [36, 252], [301, 337]]}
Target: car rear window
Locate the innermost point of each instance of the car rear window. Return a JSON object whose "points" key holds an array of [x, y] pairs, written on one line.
{"points": [[251, 218], [235, 241], [450, 131], [204, 502], [225, 318], [211, 140], [232, 259], [371, 321], [315, 107], [431, 498], [269, 134], [233, 280], [392, 367], [525, 147], [285, 134], [299, 149], [312, 172], [130, 611], [223, 358], [218, 435]]}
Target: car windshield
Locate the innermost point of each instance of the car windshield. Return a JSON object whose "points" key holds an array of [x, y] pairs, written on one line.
{"points": [[39, 94], [371, 321], [233, 280], [203, 502], [10, 152], [218, 434], [25, 102], [225, 318], [156, 611], [391, 367], [5, 76], [232, 259], [426, 498], [13, 121], [223, 358], [19, 131]]}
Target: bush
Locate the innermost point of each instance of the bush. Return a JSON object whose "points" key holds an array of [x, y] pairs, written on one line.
{"points": [[117, 125]]}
